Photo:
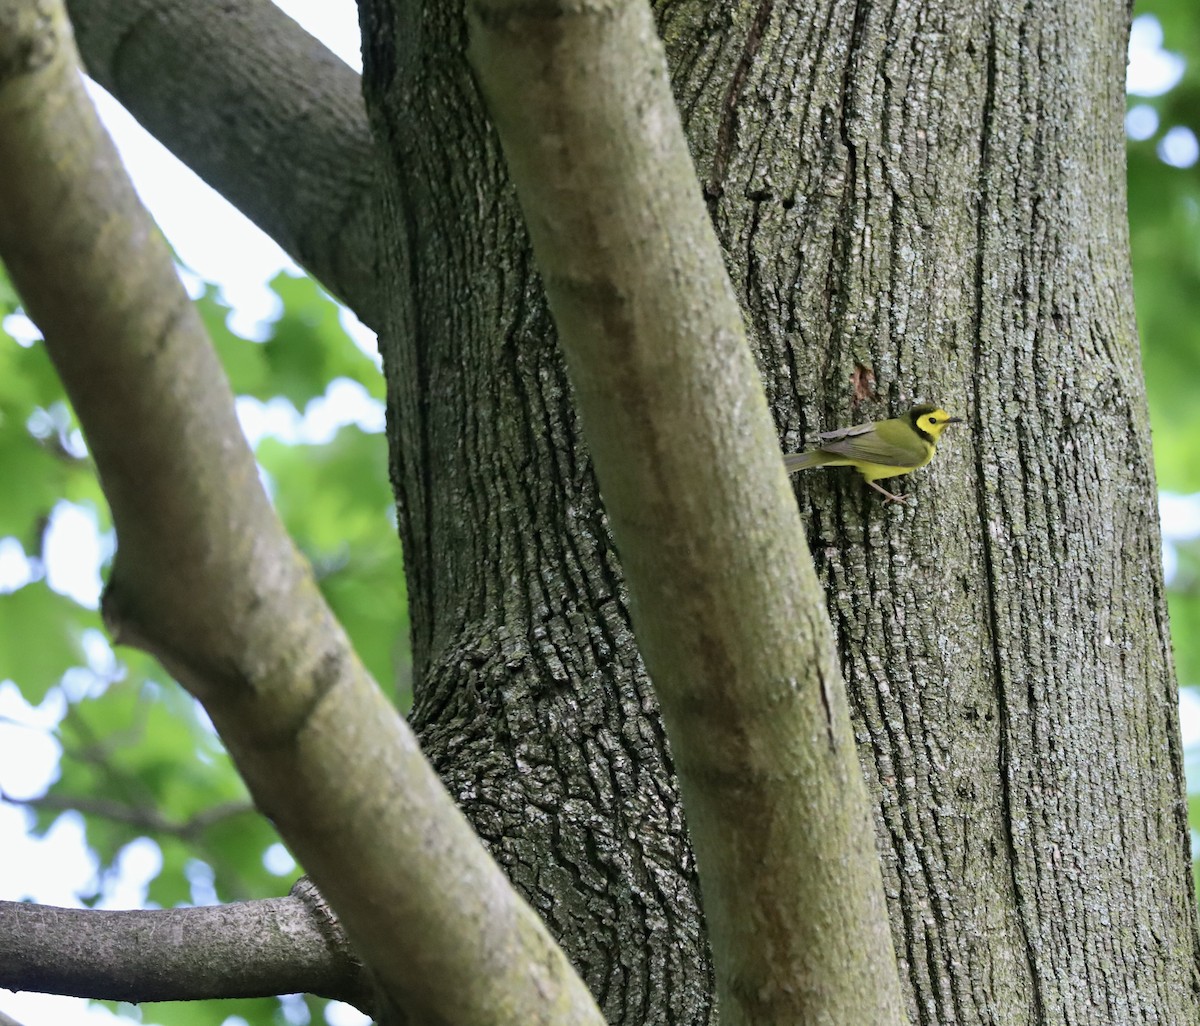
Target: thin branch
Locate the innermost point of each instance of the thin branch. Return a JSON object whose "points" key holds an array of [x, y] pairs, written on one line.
{"points": [[247, 949], [139, 817], [136, 804], [206, 579], [263, 112], [97, 751]]}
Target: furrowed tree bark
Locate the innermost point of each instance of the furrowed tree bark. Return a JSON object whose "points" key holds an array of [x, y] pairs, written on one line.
{"points": [[935, 204], [728, 614], [530, 696]]}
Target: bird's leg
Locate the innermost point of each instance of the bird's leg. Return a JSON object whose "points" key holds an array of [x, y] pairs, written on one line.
{"points": [[888, 496]]}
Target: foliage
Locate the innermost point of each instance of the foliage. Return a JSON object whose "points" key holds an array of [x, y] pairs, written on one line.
{"points": [[1164, 210], [139, 758], [1185, 611]]}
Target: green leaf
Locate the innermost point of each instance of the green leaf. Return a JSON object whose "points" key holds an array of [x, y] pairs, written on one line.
{"points": [[336, 503], [256, 1012], [170, 888], [1164, 214], [371, 603], [144, 751], [332, 495], [244, 360], [137, 750], [44, 467], [309, 348], [27, 379], [41, 636], [235, 850], [1183, 602], [8, 295]]}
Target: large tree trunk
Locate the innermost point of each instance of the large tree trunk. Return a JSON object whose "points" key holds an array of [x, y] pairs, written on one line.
{"points": [[530, 696], [917, 203]]}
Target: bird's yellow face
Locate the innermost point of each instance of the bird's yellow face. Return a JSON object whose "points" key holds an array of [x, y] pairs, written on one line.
{"points": [[933, 422]]}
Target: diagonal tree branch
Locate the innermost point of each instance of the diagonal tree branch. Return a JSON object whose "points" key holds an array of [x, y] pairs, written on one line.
{"points": [[728, 611], [262, 111], [246, 949], [141, 817], [206, 579]]}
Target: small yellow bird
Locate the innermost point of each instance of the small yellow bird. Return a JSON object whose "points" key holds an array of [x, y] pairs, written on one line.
{"points": [[886, 448]]}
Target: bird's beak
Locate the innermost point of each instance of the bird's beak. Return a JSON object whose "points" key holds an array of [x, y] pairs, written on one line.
{"points": [[955, 420]]}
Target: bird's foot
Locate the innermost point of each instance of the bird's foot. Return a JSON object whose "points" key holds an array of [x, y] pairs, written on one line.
{"points": [[888, 496]]}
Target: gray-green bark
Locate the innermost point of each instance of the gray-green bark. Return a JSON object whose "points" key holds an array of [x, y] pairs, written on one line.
{"points": [[242, 949], [323, 753], [728, 612], [932, 194], [532, 702]]}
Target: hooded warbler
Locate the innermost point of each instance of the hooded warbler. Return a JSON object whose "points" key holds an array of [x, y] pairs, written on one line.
{"points": [[886, 448]]}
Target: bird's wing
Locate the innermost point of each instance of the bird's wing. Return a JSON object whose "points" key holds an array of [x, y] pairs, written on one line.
{"points": [[863, 443], [846, 432]]}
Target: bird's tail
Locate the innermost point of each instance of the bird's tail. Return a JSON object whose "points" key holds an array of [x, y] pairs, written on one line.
{"points": [[794, 461]]}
